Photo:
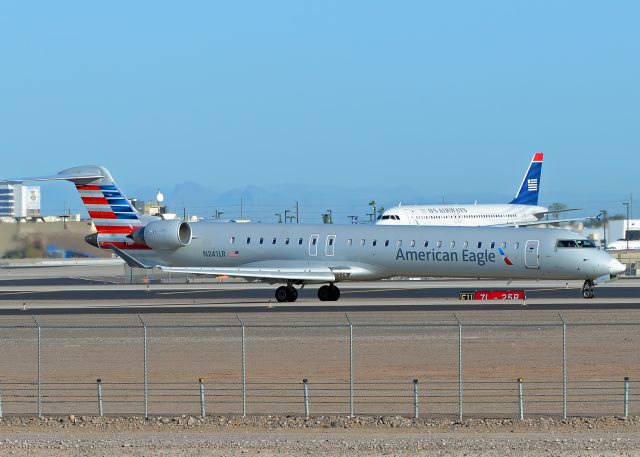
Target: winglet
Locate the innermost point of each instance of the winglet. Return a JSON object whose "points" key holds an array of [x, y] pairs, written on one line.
{"points": [[131, 261]]}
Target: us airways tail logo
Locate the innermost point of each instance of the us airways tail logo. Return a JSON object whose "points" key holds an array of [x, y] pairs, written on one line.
{"points": [[504, 257]]}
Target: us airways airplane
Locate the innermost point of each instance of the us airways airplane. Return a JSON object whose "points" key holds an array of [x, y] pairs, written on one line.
{"points": [[522, 211], [299, 254]]}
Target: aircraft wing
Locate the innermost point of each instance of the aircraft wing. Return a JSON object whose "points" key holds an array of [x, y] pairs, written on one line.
{"points": [[321, 274], [544, 213], [544, 222], [268, 274]]}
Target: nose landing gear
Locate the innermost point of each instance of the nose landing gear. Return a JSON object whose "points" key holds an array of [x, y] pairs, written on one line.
{"points": [[587, 289]]}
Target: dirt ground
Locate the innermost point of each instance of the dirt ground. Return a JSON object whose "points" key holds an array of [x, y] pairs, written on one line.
{"points": [[331, 436]]}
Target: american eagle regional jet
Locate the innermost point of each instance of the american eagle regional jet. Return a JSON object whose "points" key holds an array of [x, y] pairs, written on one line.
{"points": [[299, 254]]}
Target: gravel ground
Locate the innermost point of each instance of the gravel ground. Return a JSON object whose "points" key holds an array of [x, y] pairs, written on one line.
{"points": [[332, 436]]}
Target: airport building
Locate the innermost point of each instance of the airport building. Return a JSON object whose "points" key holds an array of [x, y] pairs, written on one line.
{"points": [[19, 201]]}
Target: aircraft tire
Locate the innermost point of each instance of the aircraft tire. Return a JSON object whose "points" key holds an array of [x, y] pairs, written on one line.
{"points": [[335, 292], [282, 294], [324, 293], [292, 294]]}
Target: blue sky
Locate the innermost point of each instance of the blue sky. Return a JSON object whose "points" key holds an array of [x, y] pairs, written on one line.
{"points": [[436, 98]]}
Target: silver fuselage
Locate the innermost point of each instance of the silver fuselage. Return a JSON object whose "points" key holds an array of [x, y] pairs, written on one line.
{"points": [[357, 252]]}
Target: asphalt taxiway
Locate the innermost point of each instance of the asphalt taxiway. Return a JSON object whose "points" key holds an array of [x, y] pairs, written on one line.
{"points": [[69, 295]]}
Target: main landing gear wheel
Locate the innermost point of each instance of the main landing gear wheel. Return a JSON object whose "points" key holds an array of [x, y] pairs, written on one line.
{"points": [[587, 289], [329, 293], [286, 293]]}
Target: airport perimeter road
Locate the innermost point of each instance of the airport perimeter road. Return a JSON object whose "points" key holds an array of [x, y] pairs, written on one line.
{"points": [[57, 296]]}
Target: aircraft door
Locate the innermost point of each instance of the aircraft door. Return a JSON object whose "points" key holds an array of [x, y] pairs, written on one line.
{"points": [[313, 245], [330, 246], [531, 257]]}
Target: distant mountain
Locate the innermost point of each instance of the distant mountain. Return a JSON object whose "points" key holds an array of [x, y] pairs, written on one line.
{"points": [[264, 203]]}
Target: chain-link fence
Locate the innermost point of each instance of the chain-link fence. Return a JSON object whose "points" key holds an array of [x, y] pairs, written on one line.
{"points": [[447, 369]]}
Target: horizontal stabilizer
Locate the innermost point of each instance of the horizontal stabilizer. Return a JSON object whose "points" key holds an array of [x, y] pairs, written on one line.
{"points": [[79, 178]]}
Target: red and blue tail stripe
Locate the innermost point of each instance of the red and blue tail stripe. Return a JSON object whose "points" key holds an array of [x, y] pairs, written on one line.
{"points": [[109, 209]]}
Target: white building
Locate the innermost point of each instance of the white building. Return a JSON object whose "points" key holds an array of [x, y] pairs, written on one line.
{"points": [[17, 200]]}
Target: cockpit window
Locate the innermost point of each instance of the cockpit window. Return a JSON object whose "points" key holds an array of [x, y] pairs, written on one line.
{"points": [[385, 217], [566, 244], [575, 244], [585, 243]]}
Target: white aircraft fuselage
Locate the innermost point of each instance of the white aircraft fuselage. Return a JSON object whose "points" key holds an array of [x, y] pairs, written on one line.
{"points": [[463, 215]]}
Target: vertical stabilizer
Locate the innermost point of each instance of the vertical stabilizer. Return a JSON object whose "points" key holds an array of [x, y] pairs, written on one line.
{"points": [[530, 186]]}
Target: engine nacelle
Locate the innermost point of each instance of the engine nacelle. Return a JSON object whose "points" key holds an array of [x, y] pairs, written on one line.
{"points": [[164, 234]]}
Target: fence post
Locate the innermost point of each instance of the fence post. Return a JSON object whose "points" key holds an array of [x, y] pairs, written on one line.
{"points": [[460, 367], [146, 383], [202, 405], [520, 399], [99, 387], [244, 370], [351, 412], [564, 367], [306, 397], [626, 397], [415, 398], [39, 366]]}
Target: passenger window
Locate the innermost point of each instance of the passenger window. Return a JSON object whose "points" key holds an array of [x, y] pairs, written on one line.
{"points": [[426, 243], [232, 240], [248, 239], [503, 245], [386, 242], [300, 241], [349, 242], [314, 240], [439, 244], [453, 244], [465, 244], [517, 245], [493, 244], [273, 241], [399, 243], [413, 243], [374, 242], [286, 241], [479, 244], [261, 240], [362, 242]]}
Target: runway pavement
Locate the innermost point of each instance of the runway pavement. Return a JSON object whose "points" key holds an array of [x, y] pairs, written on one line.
{"points": [[66, 295]]}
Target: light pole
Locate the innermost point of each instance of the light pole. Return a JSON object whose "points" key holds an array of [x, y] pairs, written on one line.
{"points": [[604, 228], [626, 229], [279, 218]]}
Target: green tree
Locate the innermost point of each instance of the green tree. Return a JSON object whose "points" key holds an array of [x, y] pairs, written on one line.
{"points": [[557, 206]]}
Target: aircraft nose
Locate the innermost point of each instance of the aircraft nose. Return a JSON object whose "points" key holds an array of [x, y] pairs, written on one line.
{"points": [[615, 267]]}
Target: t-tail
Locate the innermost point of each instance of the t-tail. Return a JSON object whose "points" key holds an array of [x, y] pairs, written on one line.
{"points": [[530, 186], [112, 213]]}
